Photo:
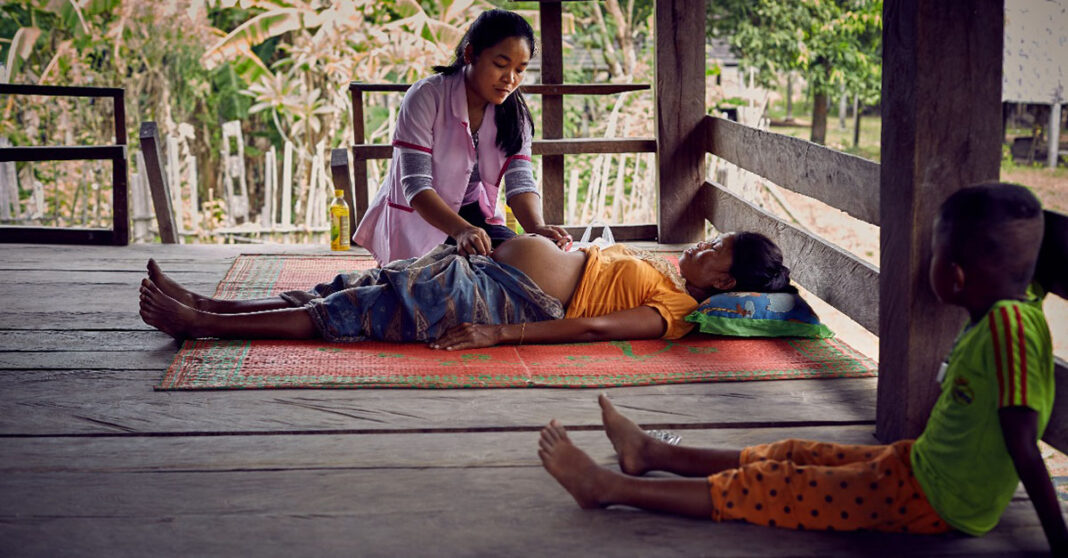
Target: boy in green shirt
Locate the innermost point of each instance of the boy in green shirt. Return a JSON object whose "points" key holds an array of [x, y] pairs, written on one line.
{"points": [[980, 441]]}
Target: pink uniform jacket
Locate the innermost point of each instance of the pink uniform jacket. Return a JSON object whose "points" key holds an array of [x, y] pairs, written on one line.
{"points": [[433, 118]]}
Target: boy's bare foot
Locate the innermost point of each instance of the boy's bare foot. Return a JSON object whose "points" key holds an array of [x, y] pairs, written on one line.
{"points": [[572, 468], [172, 288], [631, 443], [165, 313]]}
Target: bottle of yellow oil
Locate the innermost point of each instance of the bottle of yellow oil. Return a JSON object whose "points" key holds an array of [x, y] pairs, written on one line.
{"points": [[510, 220], [339, 222]]}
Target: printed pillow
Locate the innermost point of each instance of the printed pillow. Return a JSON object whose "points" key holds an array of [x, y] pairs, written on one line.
{"points": [[743, 314]]}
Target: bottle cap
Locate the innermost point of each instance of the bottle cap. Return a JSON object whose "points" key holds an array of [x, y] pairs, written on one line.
{"points": [[338, 193]]}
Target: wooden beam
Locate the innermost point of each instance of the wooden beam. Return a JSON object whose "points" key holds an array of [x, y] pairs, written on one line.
{"points": [[942, 93], [680, 111], [552, 111], [63, 153], [578, 146], [157, 182], [120, 184], [58, 90], [120, 198], [827, 271], [622, 233], [582, 88], [55, 235], [841, 180], [539, 147], [531, 89]]}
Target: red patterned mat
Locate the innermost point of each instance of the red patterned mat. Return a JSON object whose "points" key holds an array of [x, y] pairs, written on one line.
{"points": [[243, 364]]}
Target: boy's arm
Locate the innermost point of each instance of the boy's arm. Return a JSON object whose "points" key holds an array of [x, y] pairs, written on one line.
{"points": [[1019, 426]]}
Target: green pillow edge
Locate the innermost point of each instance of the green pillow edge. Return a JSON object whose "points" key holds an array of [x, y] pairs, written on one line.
{"points": [[753, 327]]}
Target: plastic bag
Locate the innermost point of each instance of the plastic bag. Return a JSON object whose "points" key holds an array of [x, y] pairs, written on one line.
{"points": [[605, 240]]}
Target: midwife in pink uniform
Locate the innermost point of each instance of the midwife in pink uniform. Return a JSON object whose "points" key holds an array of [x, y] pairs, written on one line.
{"points": [[460, 134]]}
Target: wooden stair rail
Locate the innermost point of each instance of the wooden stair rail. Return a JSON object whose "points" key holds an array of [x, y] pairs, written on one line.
{"points": [[119, 234], [157, 182]]}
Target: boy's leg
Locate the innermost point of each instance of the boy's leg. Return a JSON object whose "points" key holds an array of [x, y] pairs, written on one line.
{"points": [[593, 486], [182, 322], [173, 289], [639, 453], [879, 495]]}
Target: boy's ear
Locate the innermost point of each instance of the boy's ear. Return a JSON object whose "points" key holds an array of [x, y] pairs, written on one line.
{"points": [[959, 278], [468, 54]]}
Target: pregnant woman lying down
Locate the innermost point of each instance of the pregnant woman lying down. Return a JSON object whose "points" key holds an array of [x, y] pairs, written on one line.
{"points": [[527, 291]]}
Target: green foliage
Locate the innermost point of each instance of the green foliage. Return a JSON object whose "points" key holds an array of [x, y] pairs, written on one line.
{"points": [[831, 42]]}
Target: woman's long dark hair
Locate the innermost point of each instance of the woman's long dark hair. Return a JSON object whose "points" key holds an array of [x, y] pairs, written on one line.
{"points": [[757, 265], [490, 28]]}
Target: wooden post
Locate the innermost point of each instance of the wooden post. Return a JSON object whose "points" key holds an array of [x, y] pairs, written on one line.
{"points": [[157, 182], [680, 111], [942, 92], [359, 165], [552, 111], [9, 190], [1053, 275], [120, 193], [287, 185], [1053, 132]]}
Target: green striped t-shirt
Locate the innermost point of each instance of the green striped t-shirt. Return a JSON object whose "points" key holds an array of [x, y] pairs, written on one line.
{"points": [[1003, 360]]}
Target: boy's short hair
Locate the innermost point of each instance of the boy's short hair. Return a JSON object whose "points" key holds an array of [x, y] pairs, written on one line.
{"points": [[994, 229]]}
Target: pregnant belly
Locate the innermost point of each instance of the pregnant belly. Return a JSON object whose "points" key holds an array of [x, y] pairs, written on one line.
{"points": [[555, 271]]}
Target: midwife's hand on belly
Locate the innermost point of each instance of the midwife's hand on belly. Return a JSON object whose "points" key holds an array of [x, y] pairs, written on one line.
{"points": [[468, 336], [554, 233], [473, 240]]}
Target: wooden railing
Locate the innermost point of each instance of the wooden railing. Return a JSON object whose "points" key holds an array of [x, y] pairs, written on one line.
{"points": [[840, 180], [850, 184], [119, 234], [551, 149]]}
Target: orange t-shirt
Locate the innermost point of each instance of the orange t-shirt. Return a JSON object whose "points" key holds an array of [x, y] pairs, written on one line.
{"points": [[614, 280]]}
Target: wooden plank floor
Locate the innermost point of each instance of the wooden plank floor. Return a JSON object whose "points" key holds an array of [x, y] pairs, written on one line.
{"points": [[94, 462]]}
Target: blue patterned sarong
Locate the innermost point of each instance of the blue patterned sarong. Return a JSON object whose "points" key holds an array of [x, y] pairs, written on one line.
{"points": [[418, 299]]}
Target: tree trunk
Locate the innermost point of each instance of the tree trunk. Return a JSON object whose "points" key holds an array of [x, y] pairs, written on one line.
{"points": [[790, 97], [842, 108], [819, 118], [856, 120]]}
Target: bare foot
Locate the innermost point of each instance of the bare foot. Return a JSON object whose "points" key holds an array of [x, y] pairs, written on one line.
{"points": [[173, 289], [631, 443], [572, 468], [165, 313]]}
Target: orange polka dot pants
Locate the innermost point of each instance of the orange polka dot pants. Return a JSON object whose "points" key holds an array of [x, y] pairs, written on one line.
{"points": [[800, 484]]}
